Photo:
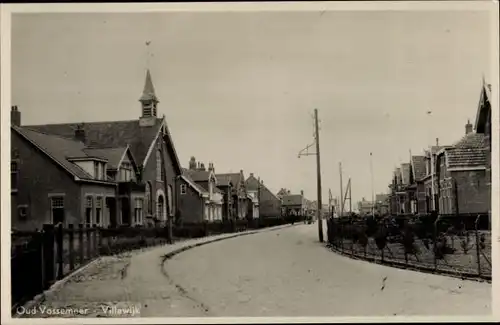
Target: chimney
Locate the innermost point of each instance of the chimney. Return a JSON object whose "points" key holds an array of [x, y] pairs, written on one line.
{"points": [[301, 192], [251, 174], [468, 127], [192, 163], [437, 142], [15, 116], [202, 166], [198, 165], [210, 167], [80, 133]]}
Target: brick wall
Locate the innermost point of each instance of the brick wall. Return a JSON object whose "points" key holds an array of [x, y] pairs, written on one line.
{"points": [[149, 175], [190, 204], [472, 192], [38, 177]]}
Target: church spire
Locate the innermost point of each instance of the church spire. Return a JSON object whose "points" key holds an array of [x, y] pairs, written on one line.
{"points": [[148, 99]]}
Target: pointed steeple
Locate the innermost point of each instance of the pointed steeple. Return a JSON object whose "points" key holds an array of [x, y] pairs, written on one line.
{"points": [[149, 90], [148, 98]]}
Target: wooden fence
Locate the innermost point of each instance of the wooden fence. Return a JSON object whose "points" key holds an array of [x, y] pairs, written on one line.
{"points": [[450, 244], [38, 259]]}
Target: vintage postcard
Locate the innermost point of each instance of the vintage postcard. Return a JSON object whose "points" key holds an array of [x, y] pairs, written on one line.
{"points": [[257, 162]]}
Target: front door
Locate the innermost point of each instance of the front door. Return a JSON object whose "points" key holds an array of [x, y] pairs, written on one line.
{"points": [[111, 213], [58, 215], [125, 211]]}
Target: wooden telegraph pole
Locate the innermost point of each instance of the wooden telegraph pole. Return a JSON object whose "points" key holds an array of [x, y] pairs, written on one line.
{"points": [[341, 192], [305, 152], [318, 172]]}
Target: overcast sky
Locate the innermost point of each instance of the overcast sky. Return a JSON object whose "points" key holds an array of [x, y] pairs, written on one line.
{"points": [[239, 89]]}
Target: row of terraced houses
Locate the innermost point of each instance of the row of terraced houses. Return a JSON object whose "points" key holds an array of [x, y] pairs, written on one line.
{"points": [[122, 173], [449, 179]]}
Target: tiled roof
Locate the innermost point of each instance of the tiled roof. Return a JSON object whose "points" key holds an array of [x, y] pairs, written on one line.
{"points": [[252, 184], [197, 187], [198, 175], [59, 149], [282, 192], [112, 155], [224, 179], [112, 134], [466, 157], [292, 199], [418, 164], [471, 140], [470, 151], [109, 134]]}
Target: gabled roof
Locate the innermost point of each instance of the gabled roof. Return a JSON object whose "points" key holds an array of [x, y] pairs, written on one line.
{"points": [[114, 156], [59, 149], [418, 166], [292, 199], [225, 179], [405, 173], [282, 192], [199, 175], [483, 106], [116, 134], [198, 188], [252, 184]]}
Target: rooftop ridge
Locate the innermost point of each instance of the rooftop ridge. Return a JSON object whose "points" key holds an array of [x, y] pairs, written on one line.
{"points": [[48, 134], [86, 122]]}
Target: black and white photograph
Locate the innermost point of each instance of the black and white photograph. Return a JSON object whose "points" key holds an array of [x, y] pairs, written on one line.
{"points": [[293, 160]]}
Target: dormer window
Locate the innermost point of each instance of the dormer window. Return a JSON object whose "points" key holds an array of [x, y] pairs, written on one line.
{"points": [[96, 170], [125, 172]]}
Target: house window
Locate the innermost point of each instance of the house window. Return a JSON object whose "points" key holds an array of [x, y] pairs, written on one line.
{"points": [[125, 172], [170, 200], [149, 202], [160, 206], [183, 189], [159, 169], [57, 209], [14, 173], [96, 170], [88, 211], [98, 211], [138, 211]]}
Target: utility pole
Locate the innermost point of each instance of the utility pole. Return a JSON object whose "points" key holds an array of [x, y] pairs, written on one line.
{"points": [[258, 195], [371, 174], [341, 192], [305, 152], [318, 172], [346, 197]]}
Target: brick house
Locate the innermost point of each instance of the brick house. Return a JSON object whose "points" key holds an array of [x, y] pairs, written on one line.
{"points": [[269, 204], [294, 204], [417, 188], [56, 179], [431, 179], [382, 204], [149, 141], [233, 186], [464, 169], [400, 191], [282, 192], [199, 198]]}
